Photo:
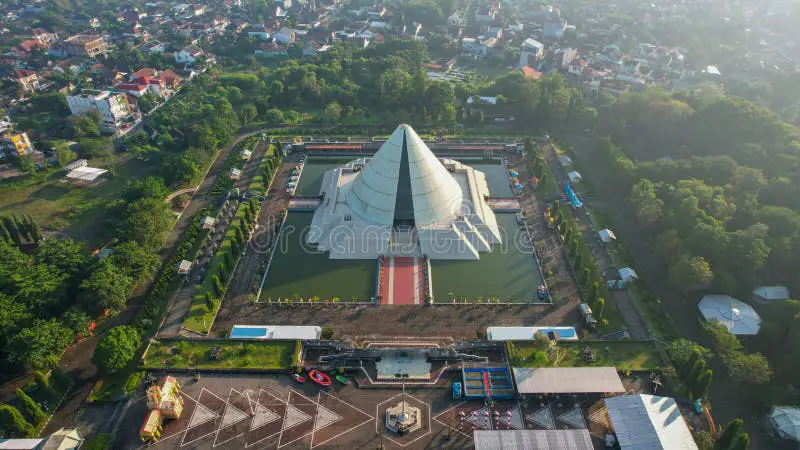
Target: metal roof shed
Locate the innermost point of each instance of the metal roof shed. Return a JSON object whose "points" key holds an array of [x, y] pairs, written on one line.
{"points": [[606, 235], [767, 294], [786, 421], [649, 421], [568, 380], [532, 439]]}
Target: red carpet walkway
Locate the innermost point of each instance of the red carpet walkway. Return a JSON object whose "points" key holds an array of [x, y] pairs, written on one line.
{"points": [[401, 281]]}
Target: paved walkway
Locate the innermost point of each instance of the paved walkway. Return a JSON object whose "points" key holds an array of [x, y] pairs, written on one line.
{"points": [[630, 315], [401, 281]]}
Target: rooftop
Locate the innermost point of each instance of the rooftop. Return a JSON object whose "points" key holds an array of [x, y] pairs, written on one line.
{"points": [[649, 421], [568, 380]]}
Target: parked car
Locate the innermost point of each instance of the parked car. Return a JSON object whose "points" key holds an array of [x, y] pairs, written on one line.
{"points": [[457, 393]]}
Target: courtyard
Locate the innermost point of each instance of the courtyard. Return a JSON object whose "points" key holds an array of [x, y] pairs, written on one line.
{"points": [[273, 411]]}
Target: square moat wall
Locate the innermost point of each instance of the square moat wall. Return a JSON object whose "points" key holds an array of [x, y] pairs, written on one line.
{"points": [[297, 269], [510, 272], [311, 179]]}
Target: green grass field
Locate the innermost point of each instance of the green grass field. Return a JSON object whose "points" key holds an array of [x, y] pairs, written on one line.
{"points": [[196, 354], [299, 271], [78, 210], [624, 355]]}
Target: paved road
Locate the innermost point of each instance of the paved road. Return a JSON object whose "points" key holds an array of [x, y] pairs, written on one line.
{"points": [[630, 315], [252, 265], [76, 361], [566, 296]]}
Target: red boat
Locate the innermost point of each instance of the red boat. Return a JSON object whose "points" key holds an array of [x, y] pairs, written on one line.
{"points": [[299, 378], [320, 378]]}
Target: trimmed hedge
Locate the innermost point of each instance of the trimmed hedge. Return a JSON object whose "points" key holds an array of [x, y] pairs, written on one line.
{"points": [[154, 303], [204, 307]]}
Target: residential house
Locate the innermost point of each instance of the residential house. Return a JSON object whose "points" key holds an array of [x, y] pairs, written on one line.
{"points": [[529, 72], [45, 38], [85, 45], [197, 9], [376, 12], [160, 47], [485, 14], [531, 52], [220, 23], [285, 36], [145, 72], [261, 33], [457, 20], [554, 29], [136, 31], [171, 79], [140, 86], [272, 51], [188, 54], [478, 47], [282, 4], [71, 66], [238, 26], [27, 47], [112, 106], [28, 79]]}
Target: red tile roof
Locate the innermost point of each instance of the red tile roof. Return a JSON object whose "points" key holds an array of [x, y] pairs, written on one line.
{"points": [[24, 73], [145, 72], [529, 72]]}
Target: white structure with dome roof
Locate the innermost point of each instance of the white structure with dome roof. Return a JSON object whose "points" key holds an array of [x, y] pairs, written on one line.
{"points": [[404, 201], [737, 316]]}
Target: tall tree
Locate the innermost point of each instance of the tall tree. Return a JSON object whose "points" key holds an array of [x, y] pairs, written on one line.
{"points": [[108, 287], [116, 348], [729, 434]]}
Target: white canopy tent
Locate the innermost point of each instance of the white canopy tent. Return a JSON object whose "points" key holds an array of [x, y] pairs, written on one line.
{"points": [[738, 317], [627, 274], [575, 177], [648, 422], [85, 173], [786, 421], [606, 235]]}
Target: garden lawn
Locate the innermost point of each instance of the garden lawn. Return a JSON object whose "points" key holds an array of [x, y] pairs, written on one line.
{"points": [[624, 355], [176, 354], [100, 441], [78, 210]]}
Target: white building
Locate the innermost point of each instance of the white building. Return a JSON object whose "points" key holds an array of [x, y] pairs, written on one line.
{"points": [[737, 316], [188, 54], [113, 107], [531, 52], [285, 36], [404, 201]]}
